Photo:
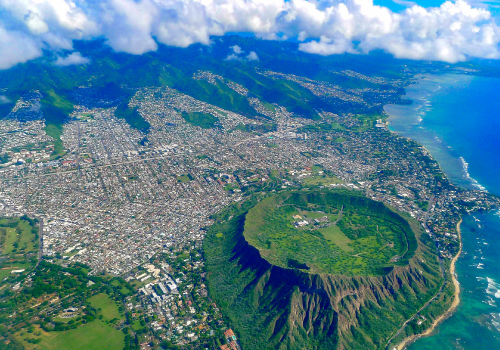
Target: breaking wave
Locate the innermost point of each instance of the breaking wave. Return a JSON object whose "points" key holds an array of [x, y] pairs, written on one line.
{"points": [[493, 288], [473, 181], [495, 321]]}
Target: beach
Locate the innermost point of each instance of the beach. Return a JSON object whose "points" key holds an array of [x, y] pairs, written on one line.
{"points": [[455, 118], [407, 341]]}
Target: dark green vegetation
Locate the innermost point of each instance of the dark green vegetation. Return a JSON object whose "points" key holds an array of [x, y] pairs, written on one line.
{"points": [[18, 246], [276, 307], [346, 234], [55, 131], [185, 178], [113, 78], [203, 120], [219, 95], [258, 128], [132, 116], [42, 321]]}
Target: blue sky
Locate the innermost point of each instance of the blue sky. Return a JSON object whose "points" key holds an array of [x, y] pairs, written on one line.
{"points": [[400, 5]]}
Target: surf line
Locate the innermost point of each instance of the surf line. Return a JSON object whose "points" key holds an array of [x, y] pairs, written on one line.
{"points": [[456, 300]]}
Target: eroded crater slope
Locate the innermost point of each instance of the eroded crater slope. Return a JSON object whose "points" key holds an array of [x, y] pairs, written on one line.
{"points": [[347, 279]]}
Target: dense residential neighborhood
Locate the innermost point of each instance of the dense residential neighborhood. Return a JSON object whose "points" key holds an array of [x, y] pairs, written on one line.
{"points": [[136, 204]]}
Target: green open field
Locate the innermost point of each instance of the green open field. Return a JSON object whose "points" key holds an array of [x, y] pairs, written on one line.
{"points": [[317, 214], [269, 106], [95, 335], [136, 325], [358, 237], [320, 178], [16, 237], [7, 267], [203, 120], [65, 320], [335, 235], [108, 308], [184, 178], [18, 245]]}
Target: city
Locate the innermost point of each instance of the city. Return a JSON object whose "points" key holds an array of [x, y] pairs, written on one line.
{"points": [[137, 205]]}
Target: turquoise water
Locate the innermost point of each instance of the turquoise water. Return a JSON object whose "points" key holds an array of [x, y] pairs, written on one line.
{"points": [[457, 118]]}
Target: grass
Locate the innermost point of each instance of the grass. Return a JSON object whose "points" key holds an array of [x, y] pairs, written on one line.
{"points": [[367, 120], [203, 120], [335, 235], [5, 270], [109, 308], [322, 127], [95, 335], [136, 325], [71, 253], [137, 284], [363, 242], [321, 180], [125, 291], [14, 240], [317, 214], [184, 178], [55, 131], [65, 320], [18, 243], [269, 106]]}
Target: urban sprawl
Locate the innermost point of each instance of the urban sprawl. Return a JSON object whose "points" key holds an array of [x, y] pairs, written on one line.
{"points": [[137, 205]]}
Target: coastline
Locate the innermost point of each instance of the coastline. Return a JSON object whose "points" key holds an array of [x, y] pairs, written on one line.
{"points": [[407, 341]]}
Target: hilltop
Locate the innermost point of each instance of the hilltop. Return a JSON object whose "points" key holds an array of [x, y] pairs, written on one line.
{"points": [[282, 289], [329, 233]]}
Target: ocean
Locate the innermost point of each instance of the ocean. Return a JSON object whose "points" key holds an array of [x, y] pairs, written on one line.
{"points": [[457, 119]]}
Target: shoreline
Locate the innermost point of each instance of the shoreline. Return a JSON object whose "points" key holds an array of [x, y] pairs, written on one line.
{"points": [[409, 340]]}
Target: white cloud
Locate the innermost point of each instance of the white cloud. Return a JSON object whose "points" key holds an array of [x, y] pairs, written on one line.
{"points": [[75, 58], [17, 47], [252, 56], [451, 32], [232, 57], [326, 46], [237, 55], [4, 100], [236, 49]]}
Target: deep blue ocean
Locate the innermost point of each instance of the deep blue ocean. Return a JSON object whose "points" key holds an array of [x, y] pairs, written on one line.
{"points": [[457, 118]]}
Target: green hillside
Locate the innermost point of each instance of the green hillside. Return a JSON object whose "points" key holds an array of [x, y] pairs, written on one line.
{"points": [[109, 71], [298, 306]]}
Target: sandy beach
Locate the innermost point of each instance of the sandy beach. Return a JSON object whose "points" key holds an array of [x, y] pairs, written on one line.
{"points": [[453, 306]]}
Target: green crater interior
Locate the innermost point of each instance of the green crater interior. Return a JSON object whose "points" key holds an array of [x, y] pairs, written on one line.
{"points": [[330, 233]]}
